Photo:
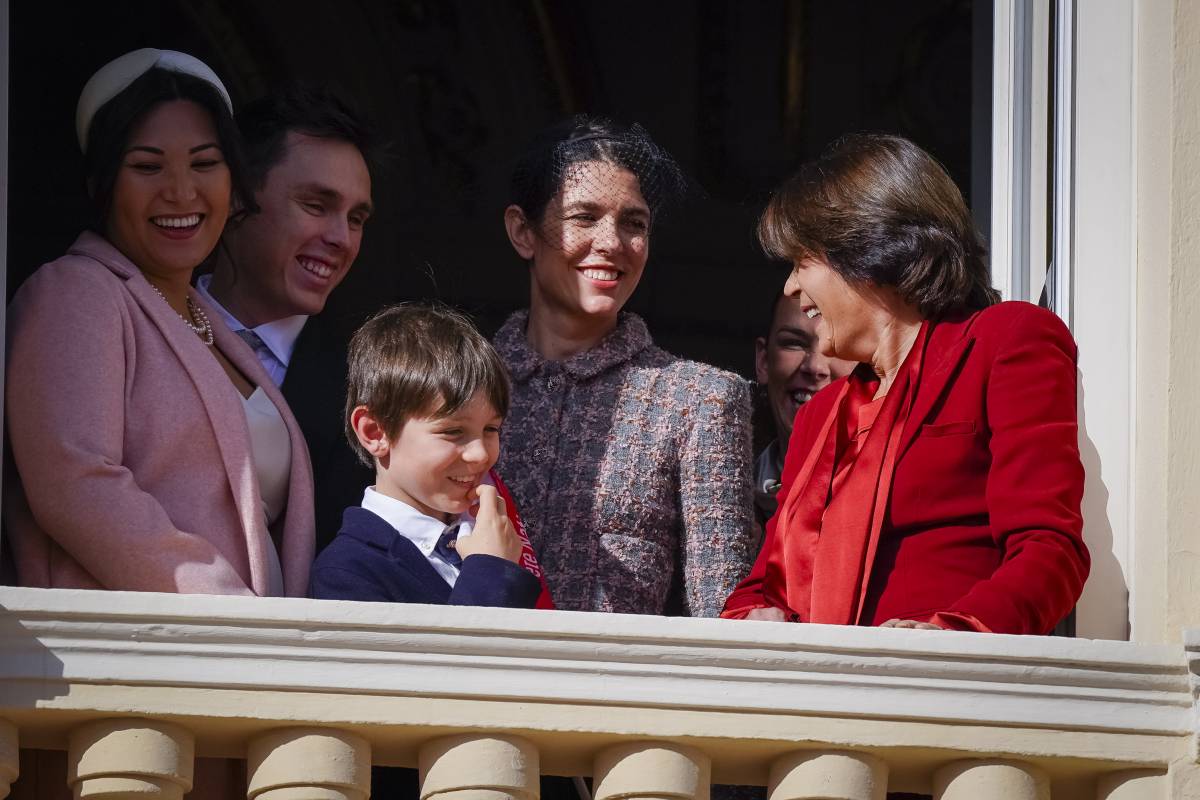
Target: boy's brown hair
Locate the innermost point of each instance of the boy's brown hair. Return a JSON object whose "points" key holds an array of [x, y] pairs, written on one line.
{"points": [[419, 360]]}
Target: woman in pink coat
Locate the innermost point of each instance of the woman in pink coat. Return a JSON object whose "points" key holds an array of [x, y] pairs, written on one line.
{"points": [[152, 451]]}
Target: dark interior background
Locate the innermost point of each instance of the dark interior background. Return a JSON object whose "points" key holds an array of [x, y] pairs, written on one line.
{"points": [[740, 92]]}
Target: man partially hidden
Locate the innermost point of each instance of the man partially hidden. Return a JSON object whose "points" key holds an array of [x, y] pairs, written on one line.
{"points": [[307, 149], [788, 363]]}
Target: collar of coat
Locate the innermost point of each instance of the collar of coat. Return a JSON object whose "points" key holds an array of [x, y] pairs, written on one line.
{"points": [[622, 343]]}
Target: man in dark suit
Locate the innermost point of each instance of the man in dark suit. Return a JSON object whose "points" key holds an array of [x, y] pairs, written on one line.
{"points": [[307, 151]]}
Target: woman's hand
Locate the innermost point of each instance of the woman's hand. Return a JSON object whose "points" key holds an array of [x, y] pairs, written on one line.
{"points": [[768, 614], [912, 623], [493, 533]]}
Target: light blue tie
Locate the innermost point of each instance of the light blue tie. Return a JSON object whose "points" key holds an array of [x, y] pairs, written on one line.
{"points": [[261, 351]]}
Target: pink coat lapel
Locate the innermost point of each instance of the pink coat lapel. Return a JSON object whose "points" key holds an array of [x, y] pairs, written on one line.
{"points": [[227, 419], [299, 530]]}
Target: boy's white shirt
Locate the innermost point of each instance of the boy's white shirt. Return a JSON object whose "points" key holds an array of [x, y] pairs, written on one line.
{"points": [[420, 528]]}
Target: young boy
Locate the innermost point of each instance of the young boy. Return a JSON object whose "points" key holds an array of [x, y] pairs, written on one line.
{"points": [[426, 394]]}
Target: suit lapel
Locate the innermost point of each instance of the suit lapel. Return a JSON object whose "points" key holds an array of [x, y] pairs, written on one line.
{"points": [[314, 399], [297, 366], [945, 350], [297, 544], [226, 417], [404, 552], [376, 532]]}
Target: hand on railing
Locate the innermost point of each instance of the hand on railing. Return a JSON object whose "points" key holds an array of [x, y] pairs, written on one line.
{"points": [[911, 623], [769, 614]]}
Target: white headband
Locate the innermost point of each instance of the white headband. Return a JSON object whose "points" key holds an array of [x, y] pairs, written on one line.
{"points": [[115, 76]]}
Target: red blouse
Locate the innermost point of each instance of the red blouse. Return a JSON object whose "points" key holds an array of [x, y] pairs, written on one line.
{"points": [[960, 504]]}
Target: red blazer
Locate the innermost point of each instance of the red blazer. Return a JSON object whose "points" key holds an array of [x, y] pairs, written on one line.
{"points": [[983, 522]]}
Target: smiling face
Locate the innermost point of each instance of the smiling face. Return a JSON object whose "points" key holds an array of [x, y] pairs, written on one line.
{"points": [[591, 246], [789, 364], [172, 191], [842, 313], [433, 464], [299, 247]]}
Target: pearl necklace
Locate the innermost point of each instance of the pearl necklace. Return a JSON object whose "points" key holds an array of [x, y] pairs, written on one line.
{"points": [[203, 328]]}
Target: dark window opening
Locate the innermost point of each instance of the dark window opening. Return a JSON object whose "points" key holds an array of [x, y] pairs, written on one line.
{"points": [[740, 93]]}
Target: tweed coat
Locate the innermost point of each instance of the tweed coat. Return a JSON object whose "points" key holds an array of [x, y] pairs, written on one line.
{"points": [[131, 444], [632, 470]]}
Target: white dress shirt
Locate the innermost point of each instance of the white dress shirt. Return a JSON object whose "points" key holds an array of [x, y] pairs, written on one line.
{"points": [[279, 336], [420, 529]]}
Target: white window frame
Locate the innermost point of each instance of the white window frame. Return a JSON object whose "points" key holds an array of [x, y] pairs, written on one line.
{"points": [[1093, 174], [1103, 299]]}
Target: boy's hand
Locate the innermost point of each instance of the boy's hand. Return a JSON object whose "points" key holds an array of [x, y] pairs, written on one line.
{"points": [[493, 533]]}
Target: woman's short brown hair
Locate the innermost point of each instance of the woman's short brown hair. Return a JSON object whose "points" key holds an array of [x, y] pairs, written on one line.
{"points": [[419, 360], [880, 210]]}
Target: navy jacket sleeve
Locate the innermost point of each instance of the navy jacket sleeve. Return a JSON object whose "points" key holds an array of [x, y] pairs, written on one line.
{"points": [[336, 583], [486, 580], [351, 569]]}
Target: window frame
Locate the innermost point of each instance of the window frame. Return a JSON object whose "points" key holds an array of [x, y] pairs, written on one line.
{"points": [[1064, 165], [1074, 177]]}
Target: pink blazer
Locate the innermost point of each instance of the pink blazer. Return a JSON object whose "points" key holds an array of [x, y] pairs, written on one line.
{"points": [[131, 445]]}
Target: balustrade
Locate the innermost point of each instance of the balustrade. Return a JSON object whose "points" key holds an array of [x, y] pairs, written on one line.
{"points": [[479, 768], [650, 770], [113, 759], [308, 764], [483, 701], [1131, 785], [828, 775], [990, 780]]}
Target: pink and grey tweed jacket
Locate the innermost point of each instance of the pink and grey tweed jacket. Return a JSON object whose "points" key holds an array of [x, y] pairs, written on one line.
{"points": [[632, 470]]}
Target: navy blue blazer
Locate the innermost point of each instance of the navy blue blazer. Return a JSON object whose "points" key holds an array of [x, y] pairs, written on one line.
{"points": [[370, 561]]}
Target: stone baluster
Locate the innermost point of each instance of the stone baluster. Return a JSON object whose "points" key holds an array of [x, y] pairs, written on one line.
{"points": [[308, 764], [123, 759], [9, 757], [651, 770], [992, 779], [827, 775], [475, 767], [1134, 784]]}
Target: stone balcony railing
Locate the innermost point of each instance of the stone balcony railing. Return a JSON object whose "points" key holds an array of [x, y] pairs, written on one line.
{"points": [[311, 693]]}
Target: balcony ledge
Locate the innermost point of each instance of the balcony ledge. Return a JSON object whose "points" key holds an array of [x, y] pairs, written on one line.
{"points": [[743, 691]]}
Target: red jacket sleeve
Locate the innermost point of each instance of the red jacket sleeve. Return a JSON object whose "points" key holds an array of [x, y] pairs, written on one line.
{"points": [[1035, 483]]}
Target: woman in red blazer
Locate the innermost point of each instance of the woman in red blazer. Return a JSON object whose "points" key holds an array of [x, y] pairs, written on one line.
{"points": [[939, 484]]}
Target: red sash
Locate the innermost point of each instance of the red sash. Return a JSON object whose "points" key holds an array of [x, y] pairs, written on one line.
{"points": [[528, 559], [826, 545]]}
